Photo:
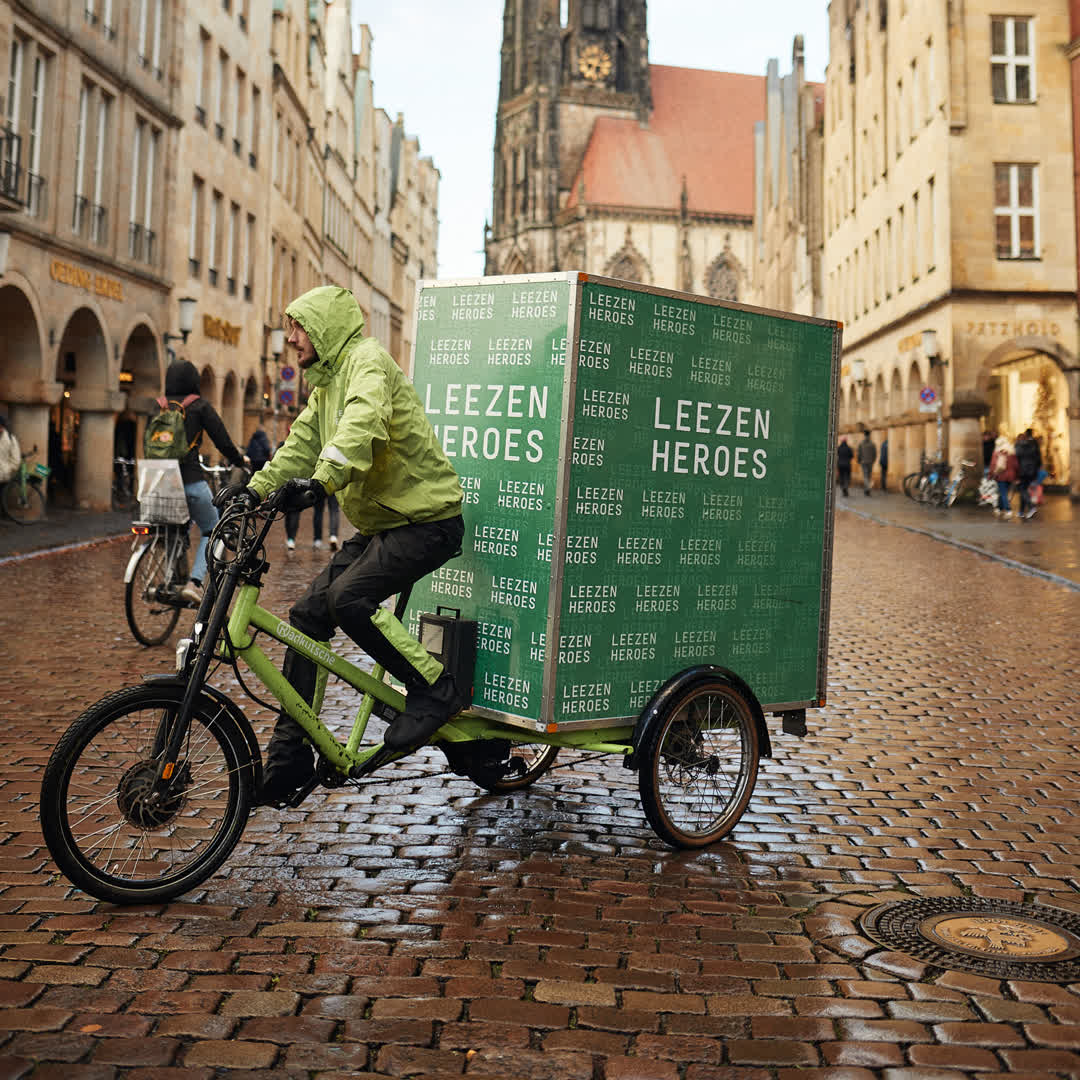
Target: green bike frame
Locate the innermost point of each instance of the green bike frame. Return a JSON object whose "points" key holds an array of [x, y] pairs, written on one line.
{"points": [[348, 757]]}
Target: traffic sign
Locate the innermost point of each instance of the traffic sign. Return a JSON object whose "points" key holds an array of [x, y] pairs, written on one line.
{"points": [[934, 406], [285, 397], [288, 373], [927, 394]]}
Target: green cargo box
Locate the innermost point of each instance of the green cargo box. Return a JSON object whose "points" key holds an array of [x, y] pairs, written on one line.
{"points": [[648, 488]]}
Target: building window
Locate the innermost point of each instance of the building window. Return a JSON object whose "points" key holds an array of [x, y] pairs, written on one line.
{"points": [[221, 94], [931, 225], [248, 255], [230, 248], [212, 241], [1012, 60], [596, 14], [256, 105], [99, 216], [1016, 211], [80, 209], [195, 227], [199, 75]]}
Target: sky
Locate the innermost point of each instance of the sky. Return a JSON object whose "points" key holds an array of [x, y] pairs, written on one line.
{"points": [[438, 64]]}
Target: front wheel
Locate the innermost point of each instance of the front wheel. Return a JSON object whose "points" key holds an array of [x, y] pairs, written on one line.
{"points": [[116, 832], [23, 503], [151, 597], [698, 763]]}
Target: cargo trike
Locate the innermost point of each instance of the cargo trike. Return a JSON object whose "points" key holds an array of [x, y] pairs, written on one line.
{"points": [[645, 574]]}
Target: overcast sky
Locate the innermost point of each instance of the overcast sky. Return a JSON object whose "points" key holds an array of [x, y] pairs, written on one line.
{"points": [[438, 63]]}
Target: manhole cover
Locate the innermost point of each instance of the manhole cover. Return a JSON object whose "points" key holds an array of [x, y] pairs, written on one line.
{"points": [[986, 937]]}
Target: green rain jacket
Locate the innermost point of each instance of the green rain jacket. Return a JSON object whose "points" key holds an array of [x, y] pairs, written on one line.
{"points": [[363, 434]]}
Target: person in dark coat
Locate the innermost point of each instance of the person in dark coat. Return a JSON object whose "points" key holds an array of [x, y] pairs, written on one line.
{"points": [[182, 380], [867, 454], [844, 455], [883, 460], [1028, 464], [259, 449]]}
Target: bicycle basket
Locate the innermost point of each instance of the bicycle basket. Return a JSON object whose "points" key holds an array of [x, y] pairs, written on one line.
{"points": [[161, 492]]}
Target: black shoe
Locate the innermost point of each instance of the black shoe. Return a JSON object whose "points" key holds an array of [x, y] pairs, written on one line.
{"points": [[427, 708], [290, 766]]}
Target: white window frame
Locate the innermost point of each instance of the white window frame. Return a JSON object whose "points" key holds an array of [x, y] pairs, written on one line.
{"points": [[136, 156], [80, 155], [215, 211], [1015, 212], [151, 168], [1010, 60], [18, 54]]}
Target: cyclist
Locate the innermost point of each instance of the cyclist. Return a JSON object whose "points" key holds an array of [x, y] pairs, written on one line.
{"points": [[10, 454], [363, 436], [181, 380]]}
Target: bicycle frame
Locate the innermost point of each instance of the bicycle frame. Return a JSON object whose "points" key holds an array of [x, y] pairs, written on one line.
{"points": [[225, 623]]}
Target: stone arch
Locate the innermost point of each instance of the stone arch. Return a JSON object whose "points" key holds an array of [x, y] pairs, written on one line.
{"points": [[1034, 343], [628, 264], [896, 393], [515, 263], [723, 277]]}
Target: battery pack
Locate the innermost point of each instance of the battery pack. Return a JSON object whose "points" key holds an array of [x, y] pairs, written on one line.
{"points": [[452, 641]]}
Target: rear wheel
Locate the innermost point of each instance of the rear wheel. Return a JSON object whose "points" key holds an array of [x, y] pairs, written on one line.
{"points": [[502, 765], [698, 763], [23, 503], [152, 596], [116, 832], [911, 484]]}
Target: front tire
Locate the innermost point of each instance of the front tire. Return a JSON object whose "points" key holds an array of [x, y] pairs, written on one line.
{"points": [[24, 505], [698, 763], [152, 620], [110, 831]]}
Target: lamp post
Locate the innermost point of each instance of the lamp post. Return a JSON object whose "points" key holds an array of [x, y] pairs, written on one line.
{"points": [[187, 321]]}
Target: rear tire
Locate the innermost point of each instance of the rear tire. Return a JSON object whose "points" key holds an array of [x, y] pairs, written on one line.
{"points": [[698, 763], [108, 830], [23, 508], [153, 620], [501, 765]]}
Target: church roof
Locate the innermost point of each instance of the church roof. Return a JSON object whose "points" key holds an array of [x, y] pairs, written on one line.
{"points": [[701, 128]]}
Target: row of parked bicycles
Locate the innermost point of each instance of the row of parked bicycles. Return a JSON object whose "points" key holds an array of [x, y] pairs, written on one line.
{"points": [[937, 483]]}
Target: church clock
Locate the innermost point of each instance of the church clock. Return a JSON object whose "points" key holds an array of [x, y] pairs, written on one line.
{"points": [[594, 63]]}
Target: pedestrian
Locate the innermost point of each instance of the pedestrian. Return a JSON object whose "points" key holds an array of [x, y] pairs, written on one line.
{"points": [[1003, 471], [330, 504], [10, 453], [988, 439], [883, 460], [867, 455], [181, 381], [363, 434], [258, 449], [1028, 464], [844, 454]]}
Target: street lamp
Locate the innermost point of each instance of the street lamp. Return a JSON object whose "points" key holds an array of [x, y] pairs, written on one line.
{"points": [[187, 321], [858, 373], [931, 350], [277, 342]]}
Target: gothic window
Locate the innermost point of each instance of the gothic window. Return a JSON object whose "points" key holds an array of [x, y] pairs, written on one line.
{"points": [[628, 263], [722, 280], [596, 14]]}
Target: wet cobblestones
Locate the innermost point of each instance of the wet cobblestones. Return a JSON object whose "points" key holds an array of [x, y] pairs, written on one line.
{"points": [[421, 927]]}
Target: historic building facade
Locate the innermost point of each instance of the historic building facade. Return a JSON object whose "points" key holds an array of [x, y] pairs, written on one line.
{"points": [[788, 172], [157, 150], [608, 164], [949, 209]]}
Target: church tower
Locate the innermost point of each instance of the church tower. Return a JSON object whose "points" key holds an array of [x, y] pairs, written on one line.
{"points": [[565, 64]]}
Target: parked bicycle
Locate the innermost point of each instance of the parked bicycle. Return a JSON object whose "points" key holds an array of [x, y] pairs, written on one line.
{"points": [[956, 482], [21, 497], [148, 792], [937, 483], [158, 569], [123, 486]]}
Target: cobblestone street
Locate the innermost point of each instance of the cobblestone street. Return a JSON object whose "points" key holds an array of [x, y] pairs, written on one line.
{"points": [[420, 927]]}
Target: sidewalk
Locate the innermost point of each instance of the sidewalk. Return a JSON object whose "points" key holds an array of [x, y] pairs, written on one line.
{"points": [[1047, 546], [62, 528]]}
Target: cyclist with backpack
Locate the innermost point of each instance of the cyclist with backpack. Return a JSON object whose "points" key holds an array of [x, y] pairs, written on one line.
{"points": [[176, 432]]}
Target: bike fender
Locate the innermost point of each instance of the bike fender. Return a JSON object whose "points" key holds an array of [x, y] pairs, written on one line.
{"points": [[683, 681], [129, 572], [236, 714]]}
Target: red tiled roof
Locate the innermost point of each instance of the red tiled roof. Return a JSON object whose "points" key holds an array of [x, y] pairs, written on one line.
{"points": [[702, 127]]}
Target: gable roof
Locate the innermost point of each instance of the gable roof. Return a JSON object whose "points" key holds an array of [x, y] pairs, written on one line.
{"points": [[701, 128]]}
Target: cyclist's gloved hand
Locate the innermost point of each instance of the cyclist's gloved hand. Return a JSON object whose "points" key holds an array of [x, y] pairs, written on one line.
{"points": [[299, 494], [237, 493]]}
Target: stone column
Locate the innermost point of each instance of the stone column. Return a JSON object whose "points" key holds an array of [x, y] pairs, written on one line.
{"points": [[98, 408], [1072, 381], [29, 403]]}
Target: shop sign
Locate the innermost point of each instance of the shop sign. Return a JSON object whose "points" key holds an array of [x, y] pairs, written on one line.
{"points": [[220, 330], [81, 278], [1014, 328]]}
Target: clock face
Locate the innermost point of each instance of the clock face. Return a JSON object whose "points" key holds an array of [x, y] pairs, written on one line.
{"points": [[594, 63]]}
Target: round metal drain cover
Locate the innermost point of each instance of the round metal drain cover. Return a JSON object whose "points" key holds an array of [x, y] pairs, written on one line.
{"points": [[986, 937]]}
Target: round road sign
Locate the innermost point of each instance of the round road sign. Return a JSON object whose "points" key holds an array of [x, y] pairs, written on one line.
{"points": [[927, 395]]}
